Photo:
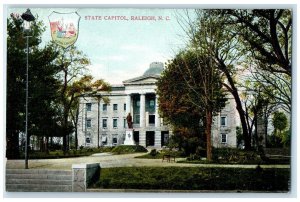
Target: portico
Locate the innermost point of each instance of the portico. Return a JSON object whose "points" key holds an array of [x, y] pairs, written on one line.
{"points": [[144, 109]]}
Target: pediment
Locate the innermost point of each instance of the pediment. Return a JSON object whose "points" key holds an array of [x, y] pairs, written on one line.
{"points": [[142, 80]]}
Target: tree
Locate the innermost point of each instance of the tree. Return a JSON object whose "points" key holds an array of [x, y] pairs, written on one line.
{"points": [[42, 94], [266, 34], [205, 29], [72, 64], [176, 109], [240, 36], [85, 86], [202, 87], [173, 98], [277, 87], [280, 122]]}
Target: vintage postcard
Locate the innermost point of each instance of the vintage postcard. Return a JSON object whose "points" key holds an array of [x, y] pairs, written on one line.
{"points": [[146, 100]]}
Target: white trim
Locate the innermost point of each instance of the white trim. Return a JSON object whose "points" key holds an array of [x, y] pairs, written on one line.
{"points": [[226, 121], [222, 138]]}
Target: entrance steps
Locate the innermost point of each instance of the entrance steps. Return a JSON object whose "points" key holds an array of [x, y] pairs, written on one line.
{"points": [[37, 180]]}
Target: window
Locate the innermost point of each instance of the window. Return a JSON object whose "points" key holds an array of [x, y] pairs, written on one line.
{"points": [[223, 138], [88, 107], [88, 140], [124, 123], [115, 123], [223, 121], [104, 139], [88, 123], [115, 140], [136, 118], [104, 107], [104, 123], [151, 119], [124, 107], [151, 103], [115, 107], [137, 103]]}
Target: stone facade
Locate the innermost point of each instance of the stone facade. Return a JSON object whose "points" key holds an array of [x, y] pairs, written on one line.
{"points": [[224, 126], [102, 124]]}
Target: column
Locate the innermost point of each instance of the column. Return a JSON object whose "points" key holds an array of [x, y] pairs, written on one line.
{"points": [[147, 119], [142, 111], [157, 119], [157, 139], [128, 104]]}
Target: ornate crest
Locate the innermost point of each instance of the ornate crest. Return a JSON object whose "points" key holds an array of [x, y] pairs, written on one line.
{"points": [[64, 28]]}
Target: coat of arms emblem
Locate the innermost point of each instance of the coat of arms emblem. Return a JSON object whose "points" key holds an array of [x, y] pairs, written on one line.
{"points": [[64, 28]]}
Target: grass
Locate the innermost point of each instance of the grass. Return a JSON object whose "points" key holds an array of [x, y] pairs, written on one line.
{"points": [[121, 149], [159, 154], [194, 178], [237, 156]]}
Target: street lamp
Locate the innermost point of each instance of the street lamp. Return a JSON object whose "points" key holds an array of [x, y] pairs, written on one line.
{"points": [[28, 18]]}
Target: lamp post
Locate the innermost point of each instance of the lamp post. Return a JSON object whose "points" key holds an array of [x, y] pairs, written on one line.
{"points": [[28, 18]]}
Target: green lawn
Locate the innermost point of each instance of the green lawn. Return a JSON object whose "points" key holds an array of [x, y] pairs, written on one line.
{"points": [[121, 149], [194, 178], [159, 155]]}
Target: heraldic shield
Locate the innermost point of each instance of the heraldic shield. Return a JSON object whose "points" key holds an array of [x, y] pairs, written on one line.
{"points": [[64, 28]]}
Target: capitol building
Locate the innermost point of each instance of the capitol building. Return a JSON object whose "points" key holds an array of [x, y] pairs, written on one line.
{"points": [[105, 124]]}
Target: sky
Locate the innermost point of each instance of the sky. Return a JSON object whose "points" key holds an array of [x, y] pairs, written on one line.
{"points": [[120, 49]]}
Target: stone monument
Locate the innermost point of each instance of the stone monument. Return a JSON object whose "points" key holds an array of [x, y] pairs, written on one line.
{"points": [[129, 137], [129, 131]]}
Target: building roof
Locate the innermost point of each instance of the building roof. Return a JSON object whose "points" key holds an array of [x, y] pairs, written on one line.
{"points": [[156, 68], [153, 72]]}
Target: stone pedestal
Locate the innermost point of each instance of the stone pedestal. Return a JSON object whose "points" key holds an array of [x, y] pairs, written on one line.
{"points": [[129, 137], [83, 175]]}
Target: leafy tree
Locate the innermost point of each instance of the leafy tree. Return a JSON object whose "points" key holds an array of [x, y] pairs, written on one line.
{"points": [[173, 98], [240, 37], [206, 31], [74, 82], [85, 86], [265, 34], [280, 122], [72, 64], [277, 87], [42, 85], [200, 85]]}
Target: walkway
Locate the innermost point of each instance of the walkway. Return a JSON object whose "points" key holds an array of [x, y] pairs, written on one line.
{"points": [[108, 160]]}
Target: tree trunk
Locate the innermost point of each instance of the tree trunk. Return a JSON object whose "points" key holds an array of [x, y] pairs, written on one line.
{"points": [[41, 144], [46, 144], [65, 130], [238, 102], [98, 129], [208, 115], [76, 128], [241, 112]]}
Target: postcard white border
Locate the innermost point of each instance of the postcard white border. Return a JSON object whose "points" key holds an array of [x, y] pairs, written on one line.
{"points": [[164, 4]]}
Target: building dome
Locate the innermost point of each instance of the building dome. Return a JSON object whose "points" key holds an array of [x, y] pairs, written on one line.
{"points": [[156, 68]]}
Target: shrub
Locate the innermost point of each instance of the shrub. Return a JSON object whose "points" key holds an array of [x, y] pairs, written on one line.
{"points": [[126, 149], [233, 155], [194, 178], [153, 152]]}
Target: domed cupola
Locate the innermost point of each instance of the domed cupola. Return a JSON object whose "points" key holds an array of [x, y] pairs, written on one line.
{"points": [[156, 68]]}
